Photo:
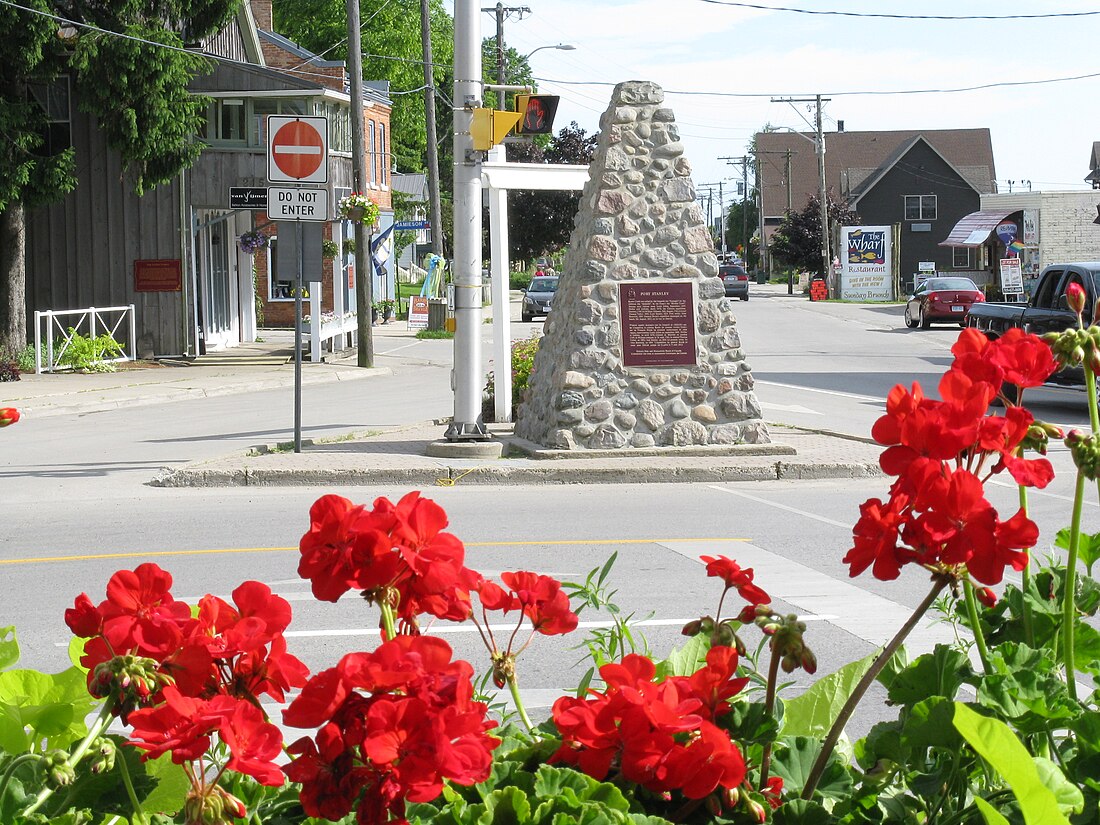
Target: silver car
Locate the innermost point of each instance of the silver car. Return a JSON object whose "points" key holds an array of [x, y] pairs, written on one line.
{"points": [[537, 298]]}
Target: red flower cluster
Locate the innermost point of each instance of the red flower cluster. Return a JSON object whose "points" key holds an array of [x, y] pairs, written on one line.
{"points": [[539, 597], [660, 735], [942, 452], [393, 724], [740, 578], [396, 554], [191, 675], [8, 416]]}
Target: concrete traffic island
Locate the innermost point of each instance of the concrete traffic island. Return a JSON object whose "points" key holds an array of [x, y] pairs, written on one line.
{"points": [[398, 458]]}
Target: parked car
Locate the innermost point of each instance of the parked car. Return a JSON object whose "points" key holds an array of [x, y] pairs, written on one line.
{"points": [[736, 280], [941, 301], [537, 298]]}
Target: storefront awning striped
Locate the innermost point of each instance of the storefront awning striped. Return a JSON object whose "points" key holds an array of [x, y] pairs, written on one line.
{"points": [[973, 230]]}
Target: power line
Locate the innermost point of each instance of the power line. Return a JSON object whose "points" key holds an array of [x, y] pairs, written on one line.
{"points": [[854, 93], [883, 15]]}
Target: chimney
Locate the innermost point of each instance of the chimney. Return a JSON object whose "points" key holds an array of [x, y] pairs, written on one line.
{"points": [[261, 13], [840, 125]]}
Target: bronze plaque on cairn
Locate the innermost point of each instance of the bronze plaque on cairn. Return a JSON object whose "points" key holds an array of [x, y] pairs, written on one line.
{"points": [[658, 324]]}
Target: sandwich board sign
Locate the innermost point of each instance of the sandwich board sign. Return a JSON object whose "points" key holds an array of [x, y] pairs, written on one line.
{"points": [[297, 149]]}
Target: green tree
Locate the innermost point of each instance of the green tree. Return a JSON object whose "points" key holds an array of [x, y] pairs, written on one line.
{"points": [[735, 227], [540, 221], [137, 92], [797, 241], [391, 51]]}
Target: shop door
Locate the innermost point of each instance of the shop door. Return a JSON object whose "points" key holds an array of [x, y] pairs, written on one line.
{"points": [[219, 285]]}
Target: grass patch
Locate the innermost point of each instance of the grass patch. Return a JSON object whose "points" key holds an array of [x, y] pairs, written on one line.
{"points": [[431, 334]]}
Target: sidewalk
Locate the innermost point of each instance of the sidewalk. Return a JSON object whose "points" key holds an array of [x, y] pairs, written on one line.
{"points": [[399, 456]]}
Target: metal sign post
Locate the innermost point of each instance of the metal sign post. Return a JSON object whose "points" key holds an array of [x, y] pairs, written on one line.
{"points": [[298, 340]]}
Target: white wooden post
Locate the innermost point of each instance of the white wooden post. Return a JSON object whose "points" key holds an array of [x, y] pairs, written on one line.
{"points": [[315, 321]]}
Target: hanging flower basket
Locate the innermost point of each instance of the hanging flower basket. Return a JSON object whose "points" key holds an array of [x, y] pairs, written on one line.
{"points": [[252, 241], [358, 208]]}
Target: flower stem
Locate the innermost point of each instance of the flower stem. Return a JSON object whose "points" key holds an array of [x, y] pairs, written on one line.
{"points": [[15, 763], [387, 621], [98, 726], [975, 624], [769, 706], [139, 814], [513, 688], [1069, 602], [1025, 575], [939, 582]]}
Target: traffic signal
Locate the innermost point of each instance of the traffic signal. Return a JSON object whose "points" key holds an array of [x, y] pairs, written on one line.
{"points": [[490, 126], [537, 114]]}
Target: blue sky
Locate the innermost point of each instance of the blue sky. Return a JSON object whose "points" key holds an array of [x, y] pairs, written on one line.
{"points": [[1042, 133]]}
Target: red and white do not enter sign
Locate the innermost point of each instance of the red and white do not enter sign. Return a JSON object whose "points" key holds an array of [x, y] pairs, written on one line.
{"points": [[297, 149]]}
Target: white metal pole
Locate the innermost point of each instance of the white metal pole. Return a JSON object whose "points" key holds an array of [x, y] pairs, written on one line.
{"points": [[502, 322], [467, 424]]}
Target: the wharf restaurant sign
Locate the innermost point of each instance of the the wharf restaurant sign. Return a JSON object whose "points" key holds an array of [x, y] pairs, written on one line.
{"points": [[865, 273], [658, 324]]}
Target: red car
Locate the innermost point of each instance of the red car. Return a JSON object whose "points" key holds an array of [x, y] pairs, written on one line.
{"points": [[941, 301]]}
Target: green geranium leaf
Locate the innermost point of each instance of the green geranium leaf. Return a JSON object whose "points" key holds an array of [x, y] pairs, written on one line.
{"points": [[171, 784], [1088, 546], [813, 713], [1087, 728], [994, 741], [928, 725], [506, 806], [1086, 646], [801, 812], [793, 760], [686, 660], [9, 647], [1031, 698], [939, 673], [883, 742], [990, 814], [1069, 797], [76, 650], [37, 705], [898, 662]]}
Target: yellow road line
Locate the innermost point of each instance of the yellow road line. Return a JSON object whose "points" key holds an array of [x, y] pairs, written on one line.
{"points": [[228, 550]]}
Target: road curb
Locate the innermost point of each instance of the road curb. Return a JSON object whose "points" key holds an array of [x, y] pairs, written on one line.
{"points": [[447, 476]]}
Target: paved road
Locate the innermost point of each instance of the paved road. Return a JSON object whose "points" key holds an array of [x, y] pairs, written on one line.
{"points": [[77, 507]]}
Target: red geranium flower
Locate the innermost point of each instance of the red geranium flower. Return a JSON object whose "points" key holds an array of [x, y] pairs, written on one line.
{"points": [[737, 577]]}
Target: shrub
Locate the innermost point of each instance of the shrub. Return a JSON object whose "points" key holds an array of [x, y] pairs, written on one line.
{"points": [[88, 354], [523, 362], [9, 371]]}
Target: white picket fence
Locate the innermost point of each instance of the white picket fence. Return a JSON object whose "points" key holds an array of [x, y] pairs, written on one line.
{"points": [[90, 322]]}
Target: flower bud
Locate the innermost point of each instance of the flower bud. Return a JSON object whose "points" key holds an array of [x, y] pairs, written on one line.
{"points": [[714, 805], [808, 661], [59, 773], [756, 810], [986, 596]]}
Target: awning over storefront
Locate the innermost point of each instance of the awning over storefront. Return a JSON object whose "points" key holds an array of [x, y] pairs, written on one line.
{"points": [[973, 229]]}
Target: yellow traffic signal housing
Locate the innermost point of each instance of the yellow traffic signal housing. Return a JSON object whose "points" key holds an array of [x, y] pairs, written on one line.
{"points": [[491, 126], [537, 114]]}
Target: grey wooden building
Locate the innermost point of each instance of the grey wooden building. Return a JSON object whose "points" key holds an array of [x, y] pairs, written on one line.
{"points": [[173, 252]]}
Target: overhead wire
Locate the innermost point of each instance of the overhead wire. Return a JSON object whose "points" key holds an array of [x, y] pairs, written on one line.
{"points": [[895, 16]]}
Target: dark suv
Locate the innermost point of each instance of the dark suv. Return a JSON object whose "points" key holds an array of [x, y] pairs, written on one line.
{"points": [[736, 280]]}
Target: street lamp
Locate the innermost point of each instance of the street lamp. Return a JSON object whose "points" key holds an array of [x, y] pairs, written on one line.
{"points": [[562, 47]]}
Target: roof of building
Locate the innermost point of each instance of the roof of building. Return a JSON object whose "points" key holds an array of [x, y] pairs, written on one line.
{"points": [[375, 90], [854, 160], [414, 184]]}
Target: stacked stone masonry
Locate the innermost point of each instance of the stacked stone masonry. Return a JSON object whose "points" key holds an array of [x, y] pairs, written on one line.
{"points": [[638, 222]]}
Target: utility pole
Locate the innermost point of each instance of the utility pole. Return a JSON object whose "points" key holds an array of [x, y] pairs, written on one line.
{"points": [[467, 424], [744, 161], [435, 206], [817, 100], [760, 191], [363, 274], [502, 13]]}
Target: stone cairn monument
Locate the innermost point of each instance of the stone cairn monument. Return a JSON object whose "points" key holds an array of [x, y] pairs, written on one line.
{"points": [[641, 348]]}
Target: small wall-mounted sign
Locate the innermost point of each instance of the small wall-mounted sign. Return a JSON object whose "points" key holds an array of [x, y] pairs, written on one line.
{"points": [[163, 275]]}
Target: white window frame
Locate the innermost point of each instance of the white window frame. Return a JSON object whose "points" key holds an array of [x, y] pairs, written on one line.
{"points": [[922, 214], [955, 250], [372, 153]]}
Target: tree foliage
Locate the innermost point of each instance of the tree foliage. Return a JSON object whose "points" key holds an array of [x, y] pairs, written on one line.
{"points": [[540, 221], [735, 234], [137, 92], [797, 242], [392, 51]]}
